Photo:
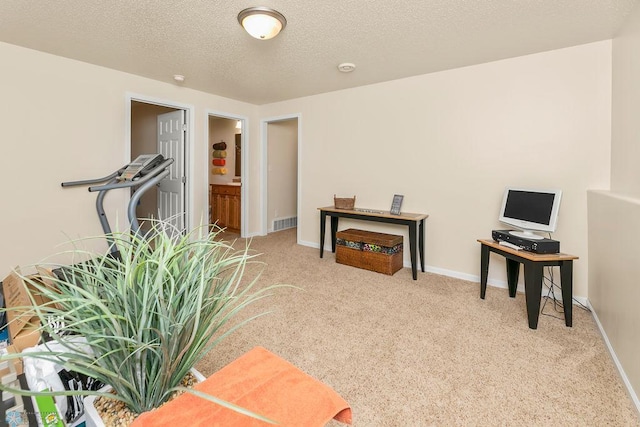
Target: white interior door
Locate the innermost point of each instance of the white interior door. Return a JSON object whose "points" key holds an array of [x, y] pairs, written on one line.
{"points": [[171, 144]]}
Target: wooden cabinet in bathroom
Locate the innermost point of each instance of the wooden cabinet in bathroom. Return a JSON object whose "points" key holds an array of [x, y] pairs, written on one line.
{"points": [[225, 206]]}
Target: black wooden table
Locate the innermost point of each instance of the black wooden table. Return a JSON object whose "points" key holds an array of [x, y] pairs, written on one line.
{"points": [[414, 221], [533, 276]]}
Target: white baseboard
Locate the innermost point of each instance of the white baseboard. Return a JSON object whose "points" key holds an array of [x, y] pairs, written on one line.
{"points": [[445, 272], [616, 361], [312, 244]]}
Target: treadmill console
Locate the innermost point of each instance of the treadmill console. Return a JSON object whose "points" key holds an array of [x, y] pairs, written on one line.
{"points": [[140, 166]]}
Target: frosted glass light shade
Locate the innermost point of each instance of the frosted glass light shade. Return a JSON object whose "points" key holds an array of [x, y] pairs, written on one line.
{"points": [[261, 22]]}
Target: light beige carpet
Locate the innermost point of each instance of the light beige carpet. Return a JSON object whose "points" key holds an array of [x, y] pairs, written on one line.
{"points": [[428, 352]]}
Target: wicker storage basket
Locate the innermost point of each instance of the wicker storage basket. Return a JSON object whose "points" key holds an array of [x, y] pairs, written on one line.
{"points": [[344, 203], [378, 252]]}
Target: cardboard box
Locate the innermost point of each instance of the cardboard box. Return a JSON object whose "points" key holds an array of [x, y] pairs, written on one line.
{"points": [[17, 363], [23, 323], [20, 312], [47, 277], [29, 336]]}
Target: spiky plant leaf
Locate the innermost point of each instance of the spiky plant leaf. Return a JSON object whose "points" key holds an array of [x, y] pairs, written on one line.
{"points": [[148, 315]]}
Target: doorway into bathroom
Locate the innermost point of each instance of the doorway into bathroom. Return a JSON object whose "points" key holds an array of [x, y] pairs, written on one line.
{"points": [[225, 138]]}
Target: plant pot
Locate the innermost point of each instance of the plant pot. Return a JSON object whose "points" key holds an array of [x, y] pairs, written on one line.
{"points": [[93, 419]]}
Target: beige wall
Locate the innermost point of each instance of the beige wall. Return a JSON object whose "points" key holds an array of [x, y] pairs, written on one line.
{"points": [[614, 226], [625, 149], [221, 129], [68, 122], [282, 170], [451, 141]]}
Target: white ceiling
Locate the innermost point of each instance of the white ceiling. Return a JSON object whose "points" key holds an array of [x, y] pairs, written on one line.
{"points": [[387, 40]]}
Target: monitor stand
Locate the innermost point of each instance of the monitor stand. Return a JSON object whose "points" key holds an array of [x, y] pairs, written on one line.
{"points": [[526, 234]]}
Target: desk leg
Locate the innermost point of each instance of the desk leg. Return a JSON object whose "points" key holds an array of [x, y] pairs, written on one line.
{"points": [[412, 249], [513, 271], [421, 243], [323, 226], [533, 291], [566, 281], [484, 269], [334, 230]]}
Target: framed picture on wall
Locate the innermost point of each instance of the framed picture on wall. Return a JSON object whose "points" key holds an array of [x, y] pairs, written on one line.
{"points": [[396, 204]]}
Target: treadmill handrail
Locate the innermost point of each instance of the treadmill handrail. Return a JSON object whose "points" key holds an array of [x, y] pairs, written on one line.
{"points": [[92, 181], [131, 210], [158, 169]]}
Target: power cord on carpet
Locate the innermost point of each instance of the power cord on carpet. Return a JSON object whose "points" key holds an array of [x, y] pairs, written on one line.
{"points": [[558, 306]]}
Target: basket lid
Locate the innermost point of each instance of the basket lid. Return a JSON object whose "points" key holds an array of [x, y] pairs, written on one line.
{"points": [[380, 239]]}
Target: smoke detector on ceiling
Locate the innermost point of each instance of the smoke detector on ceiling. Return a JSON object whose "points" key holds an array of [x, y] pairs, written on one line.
{"points": [[179, 78], [346, 67]]}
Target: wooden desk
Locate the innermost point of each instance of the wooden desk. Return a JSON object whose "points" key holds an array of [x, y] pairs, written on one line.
{"points": [[414, 221], [533, 276]]}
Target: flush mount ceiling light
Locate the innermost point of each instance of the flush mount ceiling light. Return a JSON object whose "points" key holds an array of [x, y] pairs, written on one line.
{"points": [[262, 23]]}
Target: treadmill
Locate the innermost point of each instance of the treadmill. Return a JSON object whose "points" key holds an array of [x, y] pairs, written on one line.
{"points": [[141, 174]]}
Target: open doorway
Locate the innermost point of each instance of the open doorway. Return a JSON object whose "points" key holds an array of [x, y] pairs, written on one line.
{"points": [[282, 174], [163, 129], [225, 136]]}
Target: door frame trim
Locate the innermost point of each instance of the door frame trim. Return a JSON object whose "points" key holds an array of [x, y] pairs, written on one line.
{"points": [[246, 173], [188, 149]]}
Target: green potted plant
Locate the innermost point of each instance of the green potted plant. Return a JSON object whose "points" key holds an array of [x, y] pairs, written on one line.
{"points": [[148, 313]]}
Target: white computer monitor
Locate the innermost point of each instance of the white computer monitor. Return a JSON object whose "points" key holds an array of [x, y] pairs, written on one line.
{"points": [[530, 211]]}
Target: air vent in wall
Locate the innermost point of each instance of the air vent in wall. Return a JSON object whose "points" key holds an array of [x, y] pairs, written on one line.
{"points": [[284, 223]]}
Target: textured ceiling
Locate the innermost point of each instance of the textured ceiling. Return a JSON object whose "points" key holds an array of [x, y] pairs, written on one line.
{"points": [[387, 40]]}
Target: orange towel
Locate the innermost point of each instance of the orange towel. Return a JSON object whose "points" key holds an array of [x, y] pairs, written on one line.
{"points": [[261, 382]]}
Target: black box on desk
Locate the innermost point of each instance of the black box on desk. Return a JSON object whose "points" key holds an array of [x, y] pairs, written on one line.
{"points": [[539, 246]]}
